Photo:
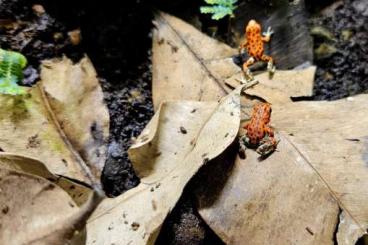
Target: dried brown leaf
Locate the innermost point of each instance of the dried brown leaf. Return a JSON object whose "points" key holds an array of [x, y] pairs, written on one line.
{"points": [[62, 121], [19, 163], [35, 210]]}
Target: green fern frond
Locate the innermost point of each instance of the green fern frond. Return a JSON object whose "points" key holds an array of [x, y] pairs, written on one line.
{"points": [[221, 14], [207, 10], [220, 8], [11, 72], [229, 3]]}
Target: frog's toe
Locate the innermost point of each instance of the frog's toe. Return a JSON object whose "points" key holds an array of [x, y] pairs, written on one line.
{"points": [[266, 148], [269, 32], [241, 152], [244, 140], [271, 69], [246, 78]]}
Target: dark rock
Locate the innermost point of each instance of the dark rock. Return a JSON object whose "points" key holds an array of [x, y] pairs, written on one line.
{"points": [[361, 6], [30, 76]]}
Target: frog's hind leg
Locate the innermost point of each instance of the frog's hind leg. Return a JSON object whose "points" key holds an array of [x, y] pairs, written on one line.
{"points": [[268, 143], [267, 146], [247, 75], [269, 131], [270, 65]]}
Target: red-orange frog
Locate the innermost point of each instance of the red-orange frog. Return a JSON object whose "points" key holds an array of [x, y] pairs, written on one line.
{"points": [[254, 46], [258, 133]]}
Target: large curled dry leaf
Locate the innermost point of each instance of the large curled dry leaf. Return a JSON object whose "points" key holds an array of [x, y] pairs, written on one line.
{"points": [[181, 137], [62, 121], [295, 195], [188, 65], [35, 210]]}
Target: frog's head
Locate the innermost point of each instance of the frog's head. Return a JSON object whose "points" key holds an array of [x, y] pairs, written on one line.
{"points": [[253, 27], [263, 111]]}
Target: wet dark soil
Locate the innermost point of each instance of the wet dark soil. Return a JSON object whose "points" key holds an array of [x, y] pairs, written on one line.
{"points": [[117, 39], [345, 72]]}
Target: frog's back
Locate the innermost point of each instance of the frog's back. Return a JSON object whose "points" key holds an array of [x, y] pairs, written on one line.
{"points": [[260, 118], [254, 40]]}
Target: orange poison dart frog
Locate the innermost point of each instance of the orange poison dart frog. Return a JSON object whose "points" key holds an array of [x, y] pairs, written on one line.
{"points": [[259, 134], [254, 46]]}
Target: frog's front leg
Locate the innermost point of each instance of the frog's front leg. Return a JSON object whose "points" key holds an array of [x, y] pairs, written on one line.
{"points": [[243, 145], [267, 35]]}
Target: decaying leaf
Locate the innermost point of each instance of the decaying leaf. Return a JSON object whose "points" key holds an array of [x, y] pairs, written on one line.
{"points": [[188, 65], [30, 206], [19, 163], [62, 121], [279, 199], [76, 103], [181, 137], [332, 136], [33, 209], [294, 196], [282, 87]]}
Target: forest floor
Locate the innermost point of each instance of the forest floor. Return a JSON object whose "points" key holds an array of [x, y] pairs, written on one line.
{"points": [[118, 41]]}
